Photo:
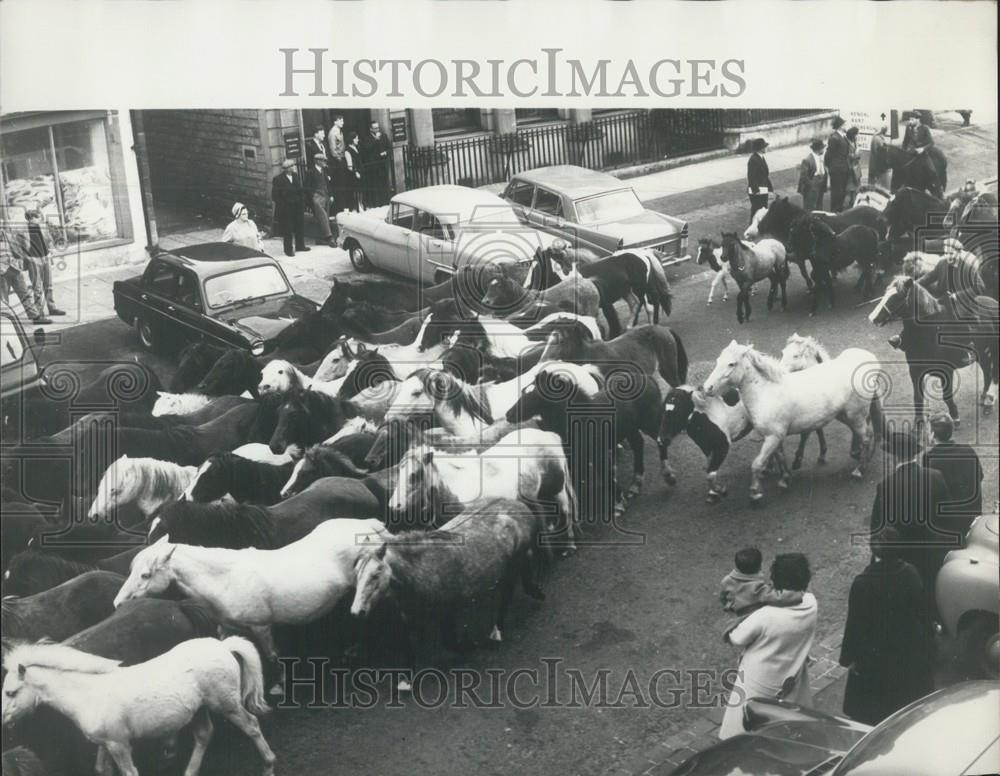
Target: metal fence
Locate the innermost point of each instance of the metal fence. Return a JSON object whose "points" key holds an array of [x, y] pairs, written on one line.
{"points": [[616, 140]]}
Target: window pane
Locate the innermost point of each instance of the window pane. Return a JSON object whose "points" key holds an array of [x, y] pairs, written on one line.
{"points": [[12, 346], [403, 216], [85, 180], [547, 202], [161, 279], [246, 284], [616, 205], [520, 194], [28, 175], [453, 119], [529, 115]]}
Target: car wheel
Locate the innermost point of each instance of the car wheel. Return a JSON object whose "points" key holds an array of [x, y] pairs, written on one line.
{"points": [[980, 641], [147, 338], [359, 259]]}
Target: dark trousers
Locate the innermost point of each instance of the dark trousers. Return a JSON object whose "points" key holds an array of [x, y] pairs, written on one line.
{"points": [[292, 226], [14, 279], [838, 188], [757, 201]]}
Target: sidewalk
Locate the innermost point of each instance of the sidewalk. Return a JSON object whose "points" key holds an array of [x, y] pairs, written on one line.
{"points": [[708, 185]]}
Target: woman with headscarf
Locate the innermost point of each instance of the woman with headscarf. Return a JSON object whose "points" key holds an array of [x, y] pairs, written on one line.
{"points": [[242, 230], [776, 641]]}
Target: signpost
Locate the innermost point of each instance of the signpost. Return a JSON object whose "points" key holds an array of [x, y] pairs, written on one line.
{"points": [[868, 124]]}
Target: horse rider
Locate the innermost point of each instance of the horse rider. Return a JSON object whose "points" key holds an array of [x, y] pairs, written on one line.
{"points": [[758, 177], [917, 137], [956, 273]]}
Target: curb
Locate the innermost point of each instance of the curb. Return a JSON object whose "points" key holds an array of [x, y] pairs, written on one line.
{"points": [[664, 757], [638, 170]]}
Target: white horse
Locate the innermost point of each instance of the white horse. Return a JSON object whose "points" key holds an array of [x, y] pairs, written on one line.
{"points": [[183, 403], [294, 584], [149, 483], [113, 705], [402, 358], [780, 402], [527, 464], [801, 353], [279, 377], [260, 452]]}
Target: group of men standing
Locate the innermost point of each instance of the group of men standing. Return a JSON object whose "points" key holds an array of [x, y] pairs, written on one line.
{"points": [[833, 163], [343, 172]]}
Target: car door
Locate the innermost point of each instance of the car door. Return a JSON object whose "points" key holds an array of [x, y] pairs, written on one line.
{"points": [[431, 248], [156, 298], [547, 210], [392, 238], [188, 308]]}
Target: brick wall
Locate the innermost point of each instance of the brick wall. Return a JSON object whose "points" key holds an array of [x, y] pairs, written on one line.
{"points": [[205, 160]]}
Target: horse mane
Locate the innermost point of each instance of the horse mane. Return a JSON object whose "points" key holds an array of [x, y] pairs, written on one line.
{"points": [[200, 617], [43, 654], [323, 455], [576, 372], [926, 304], [52, 564], [160, 477], [459, 395], [810, 344], [233, 526], [768, 366]]}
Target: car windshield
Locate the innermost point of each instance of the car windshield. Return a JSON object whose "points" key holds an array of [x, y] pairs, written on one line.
{"points": [[244, 285], [613, 206]]}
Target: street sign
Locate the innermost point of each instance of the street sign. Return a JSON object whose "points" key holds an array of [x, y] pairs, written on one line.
{"points": [[868, 124]]}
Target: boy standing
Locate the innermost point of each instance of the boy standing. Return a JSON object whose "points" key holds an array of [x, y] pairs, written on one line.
{"points": [[39, 264]]}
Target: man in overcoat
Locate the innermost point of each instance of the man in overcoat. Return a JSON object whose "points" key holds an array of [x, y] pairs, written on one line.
{"points": [[838, 163], [812, 177], [288, 197], [758, 176]]}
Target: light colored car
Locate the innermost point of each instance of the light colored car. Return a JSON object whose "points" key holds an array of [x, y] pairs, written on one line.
{"points": [[428, 234], [968, 596], [595, 212]]}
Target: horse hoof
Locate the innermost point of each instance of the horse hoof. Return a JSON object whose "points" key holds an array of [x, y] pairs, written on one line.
{"points": [[797, 464], [821, 460], [856, 473], [495, 635], [277, 690], [404, 686], [987, 409], [783, 484], [812, 315], [670, 478], [713, 498], [757, 501], [957, 422]]}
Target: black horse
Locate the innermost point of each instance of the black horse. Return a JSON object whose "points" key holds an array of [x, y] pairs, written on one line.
{"points": [[911, 208], [307, 418], [939, 336], [247, 481], [370, 370], [927, 171], [830, 252], [378, 326], [627, 275], [782, 213], [193, 363]]}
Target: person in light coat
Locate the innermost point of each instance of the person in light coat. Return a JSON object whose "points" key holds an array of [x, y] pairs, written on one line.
{"points": [[241, 230], [776, 643]]}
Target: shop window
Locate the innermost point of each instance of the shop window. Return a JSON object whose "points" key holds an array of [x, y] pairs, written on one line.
{"points": [[535, 115], [63, 170], [451, 120]]}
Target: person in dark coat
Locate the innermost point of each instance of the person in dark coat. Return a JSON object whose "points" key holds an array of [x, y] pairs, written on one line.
{"points": [[812, 177], [962, 472], [917, 137], [838, 164], [758, 176], [910, 499], [888, 643], [288, 197], [318, 193], [315, 144], [376, 155], [352, 173]]}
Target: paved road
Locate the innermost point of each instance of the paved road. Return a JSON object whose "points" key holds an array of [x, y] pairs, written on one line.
{"points": [[638, 608]]}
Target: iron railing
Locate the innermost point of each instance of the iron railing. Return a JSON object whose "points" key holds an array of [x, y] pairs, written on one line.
{"points": [[750, 118]]}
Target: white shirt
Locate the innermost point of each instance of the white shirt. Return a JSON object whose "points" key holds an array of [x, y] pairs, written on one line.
{"points": [[820, 168]]}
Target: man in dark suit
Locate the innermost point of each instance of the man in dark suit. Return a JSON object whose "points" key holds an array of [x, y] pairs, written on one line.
{"points": [[288, 197], [318, 194], [315, 144], [962, 472], [812, 177], [910, 499], [758, 176], [376, 154], [838, 164]]}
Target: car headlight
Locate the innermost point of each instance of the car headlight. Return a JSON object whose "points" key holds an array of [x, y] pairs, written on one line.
{"points": [[257, 348]]}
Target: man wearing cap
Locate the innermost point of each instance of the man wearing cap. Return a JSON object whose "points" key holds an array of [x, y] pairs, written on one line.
{"points": [[812, 177], [918, 136], [319, 190], [910, 499], [758, 176], [957, 272], [287, 195], [962, 472], [838, 164]]}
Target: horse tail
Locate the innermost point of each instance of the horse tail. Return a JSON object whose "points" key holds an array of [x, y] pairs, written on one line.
{"points": [[682, 358], [251, 674], [658, 279]]}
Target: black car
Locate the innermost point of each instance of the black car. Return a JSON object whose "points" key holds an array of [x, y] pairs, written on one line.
{"points": [[217, 292], [20, 377], [951, 732]]}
